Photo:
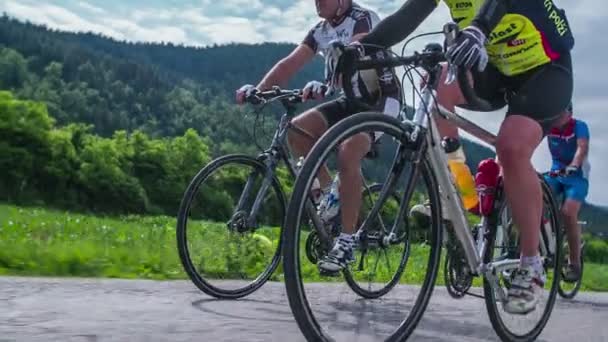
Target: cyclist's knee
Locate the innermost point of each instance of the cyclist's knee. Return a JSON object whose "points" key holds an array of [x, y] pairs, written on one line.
{"points": [[570, 209], [511, 153], [308, 125], [516, 141], [352, 151]]}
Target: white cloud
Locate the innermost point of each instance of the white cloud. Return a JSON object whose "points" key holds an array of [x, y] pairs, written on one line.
{"points": [[91, 8], [55, 17], [231, 29], [139, 33]]}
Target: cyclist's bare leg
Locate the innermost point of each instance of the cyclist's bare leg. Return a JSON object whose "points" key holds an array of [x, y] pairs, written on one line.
{"points": [[350, 154], [518, 137], [570, 210], [313, 123], [448, 96]]}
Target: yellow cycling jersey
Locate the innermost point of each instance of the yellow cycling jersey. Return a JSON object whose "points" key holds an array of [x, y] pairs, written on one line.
{"points": [[532, 33]]}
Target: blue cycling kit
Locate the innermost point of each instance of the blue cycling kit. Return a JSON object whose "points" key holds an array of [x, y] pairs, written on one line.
{"points": [[563, 145]]}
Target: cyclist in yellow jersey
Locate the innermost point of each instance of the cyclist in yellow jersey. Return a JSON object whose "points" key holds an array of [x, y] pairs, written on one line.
{"points": [[518, 53]]}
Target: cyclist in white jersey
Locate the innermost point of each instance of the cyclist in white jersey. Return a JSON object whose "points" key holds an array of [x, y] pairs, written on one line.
{"points": [[345, 21]]}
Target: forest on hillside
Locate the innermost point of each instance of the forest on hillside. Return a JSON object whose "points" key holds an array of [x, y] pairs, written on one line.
{"points": [[130, 122]]}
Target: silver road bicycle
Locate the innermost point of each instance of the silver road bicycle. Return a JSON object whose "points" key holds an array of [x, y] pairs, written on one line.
{"points": [[488, 250]]}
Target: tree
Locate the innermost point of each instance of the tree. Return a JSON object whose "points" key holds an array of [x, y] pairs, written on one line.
{"points": [[24, 143], [13, 69]]}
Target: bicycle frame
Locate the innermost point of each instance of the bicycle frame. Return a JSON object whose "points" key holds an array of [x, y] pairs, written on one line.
{"points": [[278, 151], [271, 157], [424, 123]]}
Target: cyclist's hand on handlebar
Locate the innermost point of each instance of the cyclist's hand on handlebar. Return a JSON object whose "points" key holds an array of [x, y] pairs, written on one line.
{"points": [[339, 58], [313, 90], [244, 92], [571, 169], [468, 49]]}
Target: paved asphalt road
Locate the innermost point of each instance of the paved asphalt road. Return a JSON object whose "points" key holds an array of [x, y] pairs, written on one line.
{"points": [[34, 309]]}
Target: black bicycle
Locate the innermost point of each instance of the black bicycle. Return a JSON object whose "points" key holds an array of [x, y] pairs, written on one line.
{"points": [[230, 217], [420, 165]]}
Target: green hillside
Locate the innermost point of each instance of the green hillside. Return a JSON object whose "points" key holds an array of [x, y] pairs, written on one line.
{"points": [[136, 118]]}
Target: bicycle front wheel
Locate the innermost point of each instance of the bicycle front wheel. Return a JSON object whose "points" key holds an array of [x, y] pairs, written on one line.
{"points": [[379, 259], [326, 308], [228, 226]]}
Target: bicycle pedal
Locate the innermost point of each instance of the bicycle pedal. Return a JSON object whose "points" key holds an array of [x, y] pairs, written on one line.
{"points": [[325, 273]]}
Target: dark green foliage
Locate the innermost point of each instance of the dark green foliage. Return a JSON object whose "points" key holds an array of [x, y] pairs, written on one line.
{"points": [[88, 119], [162, 89], [71, 167]]}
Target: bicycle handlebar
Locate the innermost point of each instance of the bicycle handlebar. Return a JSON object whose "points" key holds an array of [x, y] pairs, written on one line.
{"points": [[556, 173], [291, 95], [430, 56], [417, 59]]}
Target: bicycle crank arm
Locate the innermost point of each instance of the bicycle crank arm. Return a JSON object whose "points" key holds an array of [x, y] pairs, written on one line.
{"points": [[491, 271]]}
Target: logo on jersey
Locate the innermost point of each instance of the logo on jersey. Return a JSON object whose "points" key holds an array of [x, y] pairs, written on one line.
{"points": [[460, 5], [505, 34], [558, 19], [514, 53], [516, 42], [343, 35]]}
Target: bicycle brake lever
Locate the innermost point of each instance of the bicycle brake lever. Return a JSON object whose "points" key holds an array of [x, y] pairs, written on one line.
{"points": [[329, 91], [451, 76], [450, 30]]}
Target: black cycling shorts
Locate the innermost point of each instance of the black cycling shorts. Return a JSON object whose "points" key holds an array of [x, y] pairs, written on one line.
{"points": [[335, 110], [541, 94]]}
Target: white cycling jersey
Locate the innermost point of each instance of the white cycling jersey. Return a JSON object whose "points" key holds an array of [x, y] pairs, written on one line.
{"points": [[355, 20]]}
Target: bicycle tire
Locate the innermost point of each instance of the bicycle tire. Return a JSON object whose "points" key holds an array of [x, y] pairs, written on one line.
{"points": [[490, 300], [181, 231], [361, 122], [369, 294], [572, 293]]}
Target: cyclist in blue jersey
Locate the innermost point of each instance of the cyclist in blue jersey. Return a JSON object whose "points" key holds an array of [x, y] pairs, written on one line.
{"points": [[569, 146]]}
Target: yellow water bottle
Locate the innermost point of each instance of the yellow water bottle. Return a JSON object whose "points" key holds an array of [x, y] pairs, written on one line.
{"points": [[461, 172]]}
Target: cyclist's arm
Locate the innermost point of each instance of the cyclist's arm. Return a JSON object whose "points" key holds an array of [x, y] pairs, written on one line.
{"points": [[490, 14], [582, 149], [402, 23], [582, 143], [397, 26], [363, 25], [287, 67]]}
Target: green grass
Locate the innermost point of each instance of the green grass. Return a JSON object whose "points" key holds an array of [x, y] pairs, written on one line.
{"points": [[43, 242]]}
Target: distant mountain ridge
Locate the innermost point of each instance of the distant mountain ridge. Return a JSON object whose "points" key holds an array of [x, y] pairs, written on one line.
{"points": [[162, 89]]}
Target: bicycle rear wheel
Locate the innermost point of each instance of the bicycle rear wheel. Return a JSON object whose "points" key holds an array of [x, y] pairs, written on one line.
{"points": [[226, 252], [527, 327], [375, 255], [569, 290], [316, 316]]}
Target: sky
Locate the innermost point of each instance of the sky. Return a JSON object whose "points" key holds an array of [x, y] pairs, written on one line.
{"points": [[205, 22]]}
